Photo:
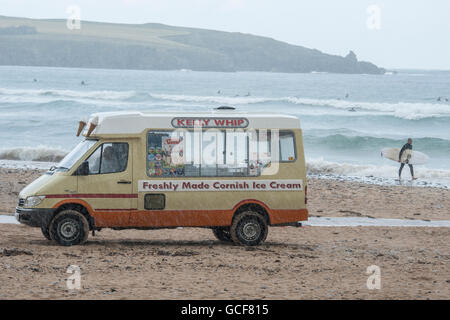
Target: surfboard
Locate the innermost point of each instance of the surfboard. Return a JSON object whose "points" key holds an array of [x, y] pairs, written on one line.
{"points": [[413, 157]]}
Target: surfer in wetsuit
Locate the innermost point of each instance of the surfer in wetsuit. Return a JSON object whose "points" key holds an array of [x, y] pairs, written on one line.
{"points": [[407, 146]]}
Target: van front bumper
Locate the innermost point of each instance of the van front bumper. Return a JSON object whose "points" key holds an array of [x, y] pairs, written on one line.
{"points": [[34, 217]]}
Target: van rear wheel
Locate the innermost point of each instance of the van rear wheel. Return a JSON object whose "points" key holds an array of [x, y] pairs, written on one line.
{"points": [[69, 227], [222, 234], [249, 228]]}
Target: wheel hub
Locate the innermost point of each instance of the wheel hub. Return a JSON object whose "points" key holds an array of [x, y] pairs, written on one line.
{"points": [[68, 229], [251, 230]]}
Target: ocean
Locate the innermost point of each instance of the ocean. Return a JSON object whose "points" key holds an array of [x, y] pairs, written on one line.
{"points": [[346, 119]]}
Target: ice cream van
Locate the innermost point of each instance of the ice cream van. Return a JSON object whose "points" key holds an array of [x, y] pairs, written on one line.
{"points": [[236, 173]]}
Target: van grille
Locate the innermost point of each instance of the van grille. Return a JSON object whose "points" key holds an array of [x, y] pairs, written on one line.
{"points": [[21, 202]]}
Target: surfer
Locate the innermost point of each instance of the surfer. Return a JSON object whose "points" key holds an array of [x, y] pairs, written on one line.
{"points": [[407, 148]]}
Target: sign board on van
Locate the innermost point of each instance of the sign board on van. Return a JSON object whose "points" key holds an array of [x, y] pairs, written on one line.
{"points": [[209, 122], [220, 185]]}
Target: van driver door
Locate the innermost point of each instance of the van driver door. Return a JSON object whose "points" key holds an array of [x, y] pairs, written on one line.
{"points": [[108, 186]]}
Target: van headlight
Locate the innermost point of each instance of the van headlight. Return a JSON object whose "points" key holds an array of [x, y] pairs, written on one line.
{"points": [[33, 201]]}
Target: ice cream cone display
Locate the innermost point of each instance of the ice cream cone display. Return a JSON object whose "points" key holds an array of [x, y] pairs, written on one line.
{"points": [[91, 128], [81, 126]]}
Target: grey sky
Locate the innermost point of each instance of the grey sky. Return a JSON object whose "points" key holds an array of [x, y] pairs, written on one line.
{"points": [[412, 34]]}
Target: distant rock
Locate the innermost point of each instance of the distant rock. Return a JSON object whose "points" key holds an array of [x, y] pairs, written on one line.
{"points": [[351, 57]]}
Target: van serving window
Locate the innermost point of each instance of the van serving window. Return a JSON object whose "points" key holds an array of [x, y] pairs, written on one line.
{"points": [[287, 146], [109, 158], [215, 153]]}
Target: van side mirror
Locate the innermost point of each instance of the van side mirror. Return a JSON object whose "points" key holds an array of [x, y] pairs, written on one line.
{"points": [[83, 169]]}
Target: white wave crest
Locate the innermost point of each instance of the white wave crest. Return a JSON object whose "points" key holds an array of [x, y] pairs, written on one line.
{"points": [[40, 153], [320, 166], [405, 110], [213, 99], [102, 94]]}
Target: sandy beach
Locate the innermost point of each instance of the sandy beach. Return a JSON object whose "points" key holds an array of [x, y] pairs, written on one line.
{"points": [[294, 263]]}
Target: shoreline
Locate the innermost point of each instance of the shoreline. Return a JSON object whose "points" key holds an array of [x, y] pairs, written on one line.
{"points": [[380, 181], [326, 197]]}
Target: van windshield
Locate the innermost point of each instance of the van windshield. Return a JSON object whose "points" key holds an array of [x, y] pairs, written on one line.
{"points": [[73, 156]]}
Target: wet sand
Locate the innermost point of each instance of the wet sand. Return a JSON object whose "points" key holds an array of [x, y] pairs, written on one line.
{"points": [[12, 181], [353, 199]]}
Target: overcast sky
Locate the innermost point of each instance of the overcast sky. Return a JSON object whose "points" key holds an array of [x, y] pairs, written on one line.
{"points": [[391, 33]]}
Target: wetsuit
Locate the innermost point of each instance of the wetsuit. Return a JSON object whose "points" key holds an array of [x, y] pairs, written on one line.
{"points": [[405, 147]]}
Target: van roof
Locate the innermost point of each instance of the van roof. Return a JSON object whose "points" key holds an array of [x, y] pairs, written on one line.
{"points": [[134, 122]]}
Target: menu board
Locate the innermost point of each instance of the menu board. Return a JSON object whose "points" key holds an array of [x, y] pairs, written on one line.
{"points": [[165, 157]]}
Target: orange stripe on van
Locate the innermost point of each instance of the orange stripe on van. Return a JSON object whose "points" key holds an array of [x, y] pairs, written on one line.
{"points": [[76, 201], [111, 217], [186, 218], [204, 218]]}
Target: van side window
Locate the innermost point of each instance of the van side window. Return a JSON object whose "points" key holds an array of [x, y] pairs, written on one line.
{"points": [[109, 158], [215, 153], [212, 152], [235, 159], [287, 146]]}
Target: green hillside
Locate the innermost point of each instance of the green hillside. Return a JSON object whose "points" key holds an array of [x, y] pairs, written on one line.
{"points": [[32, 42]]}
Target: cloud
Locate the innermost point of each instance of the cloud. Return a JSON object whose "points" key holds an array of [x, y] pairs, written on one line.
{"points": [[231, 5]]}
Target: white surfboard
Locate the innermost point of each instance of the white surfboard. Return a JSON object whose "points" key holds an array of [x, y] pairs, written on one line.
{"points": [[413, 157]]}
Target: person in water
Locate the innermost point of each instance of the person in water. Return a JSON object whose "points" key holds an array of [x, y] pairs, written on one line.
{"points": [[407, 146]]}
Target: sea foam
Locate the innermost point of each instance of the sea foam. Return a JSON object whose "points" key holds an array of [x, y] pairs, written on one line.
{"points": [[40, 153], [404, 110], [376, 174]]}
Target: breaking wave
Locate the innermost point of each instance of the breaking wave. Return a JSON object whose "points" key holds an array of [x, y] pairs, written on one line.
{"points": [[322, 167], [40, 153], [404, 110], [102, 94], [345, 142]]}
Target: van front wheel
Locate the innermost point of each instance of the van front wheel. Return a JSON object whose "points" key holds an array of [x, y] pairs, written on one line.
{"points": [[249, 228], [69, 228]]}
